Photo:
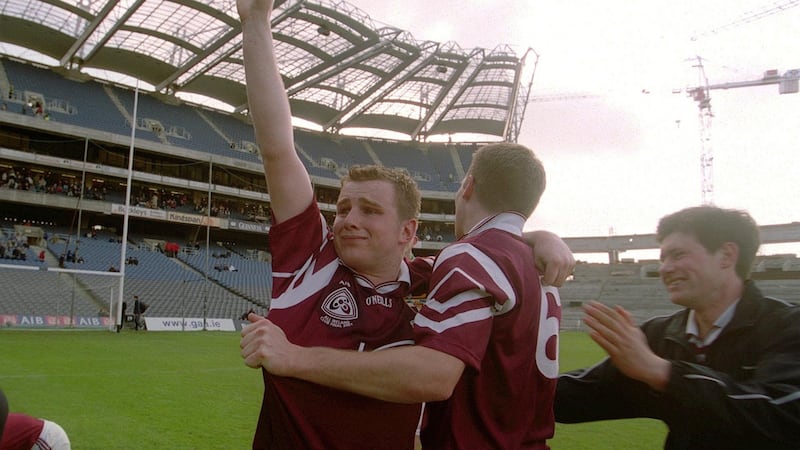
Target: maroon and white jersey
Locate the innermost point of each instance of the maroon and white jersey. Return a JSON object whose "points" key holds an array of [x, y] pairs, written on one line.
{"points": [[21, 431], [318, 301], [487, 307]]}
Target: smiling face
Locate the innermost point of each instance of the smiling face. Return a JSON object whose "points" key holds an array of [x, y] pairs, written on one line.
{"points": [[369, 235], [691, 274]]}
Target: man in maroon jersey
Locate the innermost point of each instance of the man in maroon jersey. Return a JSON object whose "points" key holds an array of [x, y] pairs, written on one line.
{"points": [[24, 432], [342, 288], [486, 358], [3, 412]]}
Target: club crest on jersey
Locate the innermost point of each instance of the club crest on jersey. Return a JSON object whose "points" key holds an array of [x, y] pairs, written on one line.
{"points": [[340, 305]]}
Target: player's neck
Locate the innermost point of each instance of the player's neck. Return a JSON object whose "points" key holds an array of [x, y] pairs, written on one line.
{"points": [[473, 215], [727, 294], [383, 273]]}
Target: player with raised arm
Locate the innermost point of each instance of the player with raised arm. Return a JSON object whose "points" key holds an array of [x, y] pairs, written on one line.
{"points": [[342, 288]]}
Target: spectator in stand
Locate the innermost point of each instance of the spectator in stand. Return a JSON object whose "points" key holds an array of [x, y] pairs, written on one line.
{"points": [[19, 253]]}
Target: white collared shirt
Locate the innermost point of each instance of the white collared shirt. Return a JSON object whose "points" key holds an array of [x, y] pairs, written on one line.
{"points": [[693, 331]]}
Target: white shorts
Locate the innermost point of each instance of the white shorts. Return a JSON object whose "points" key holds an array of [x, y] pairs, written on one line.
{"points": [[53, 437]]}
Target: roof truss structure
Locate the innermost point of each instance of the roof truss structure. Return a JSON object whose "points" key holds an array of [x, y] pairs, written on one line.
{"points": [[341, 70]]}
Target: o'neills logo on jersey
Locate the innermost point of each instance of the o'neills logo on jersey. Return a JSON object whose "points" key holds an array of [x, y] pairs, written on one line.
{"points": [[379, 300], [341, 309]]}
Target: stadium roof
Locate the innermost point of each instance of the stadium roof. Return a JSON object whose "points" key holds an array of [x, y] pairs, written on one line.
{"points": [[341, 70]]}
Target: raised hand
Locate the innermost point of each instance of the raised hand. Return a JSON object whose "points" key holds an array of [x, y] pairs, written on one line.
{"points": [[254, 8], [615, 330]]}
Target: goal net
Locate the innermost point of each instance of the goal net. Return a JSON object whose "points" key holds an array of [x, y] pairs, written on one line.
{"points": [[36, 296]]}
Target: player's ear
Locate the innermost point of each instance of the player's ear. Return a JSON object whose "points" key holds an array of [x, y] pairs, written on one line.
{"points": [[729, 253], [468, 186], [409, 231]]}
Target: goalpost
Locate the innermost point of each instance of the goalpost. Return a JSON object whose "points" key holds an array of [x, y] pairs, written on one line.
{"points": [[41, 296]]}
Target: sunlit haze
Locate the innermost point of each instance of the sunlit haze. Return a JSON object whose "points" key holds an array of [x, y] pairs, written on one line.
{"points": [[621, 149]]}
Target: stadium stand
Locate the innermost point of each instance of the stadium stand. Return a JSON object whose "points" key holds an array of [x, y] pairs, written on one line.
{"points": [[408, 157], [84, 104], [448, 169], [238, 134], [208, 157], [27, 292], [248, 278], [331, 154], [636, 286]]}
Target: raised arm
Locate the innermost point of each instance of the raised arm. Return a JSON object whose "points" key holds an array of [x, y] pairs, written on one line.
{"points": [[288, 182]]}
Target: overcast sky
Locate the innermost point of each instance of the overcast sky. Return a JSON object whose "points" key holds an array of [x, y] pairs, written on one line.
{"points": [[620, 160]]}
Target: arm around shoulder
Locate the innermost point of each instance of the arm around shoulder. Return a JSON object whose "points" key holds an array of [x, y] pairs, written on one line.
{"points": [[554, 258], [410, 374]]}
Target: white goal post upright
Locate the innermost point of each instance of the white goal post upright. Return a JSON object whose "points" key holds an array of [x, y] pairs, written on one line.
{"points": [[112, 312], [121, 292]]}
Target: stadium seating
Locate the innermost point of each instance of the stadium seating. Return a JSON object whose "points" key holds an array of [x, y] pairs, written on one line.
{"points": [[170, 286], [110, 108], [406, 156], [448, 169], [29, 292], [91, 106], [319, 147], [636, 287], [245, 277], [186, 286]]}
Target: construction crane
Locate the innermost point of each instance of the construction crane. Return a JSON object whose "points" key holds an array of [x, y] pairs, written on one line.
{"points": [[701, 92], [749, 16], [562, 96], [702, 95], [788, 83]]}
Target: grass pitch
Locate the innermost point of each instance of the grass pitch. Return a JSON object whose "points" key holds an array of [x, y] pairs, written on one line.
{"points": [[148, 390]]}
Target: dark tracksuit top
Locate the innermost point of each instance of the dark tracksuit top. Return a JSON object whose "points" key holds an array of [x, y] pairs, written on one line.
{"points": [[745, 395]]}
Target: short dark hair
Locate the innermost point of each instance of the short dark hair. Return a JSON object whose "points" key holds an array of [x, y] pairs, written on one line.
{"points": [[407, 194], [714, 226], [508, 177]]}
